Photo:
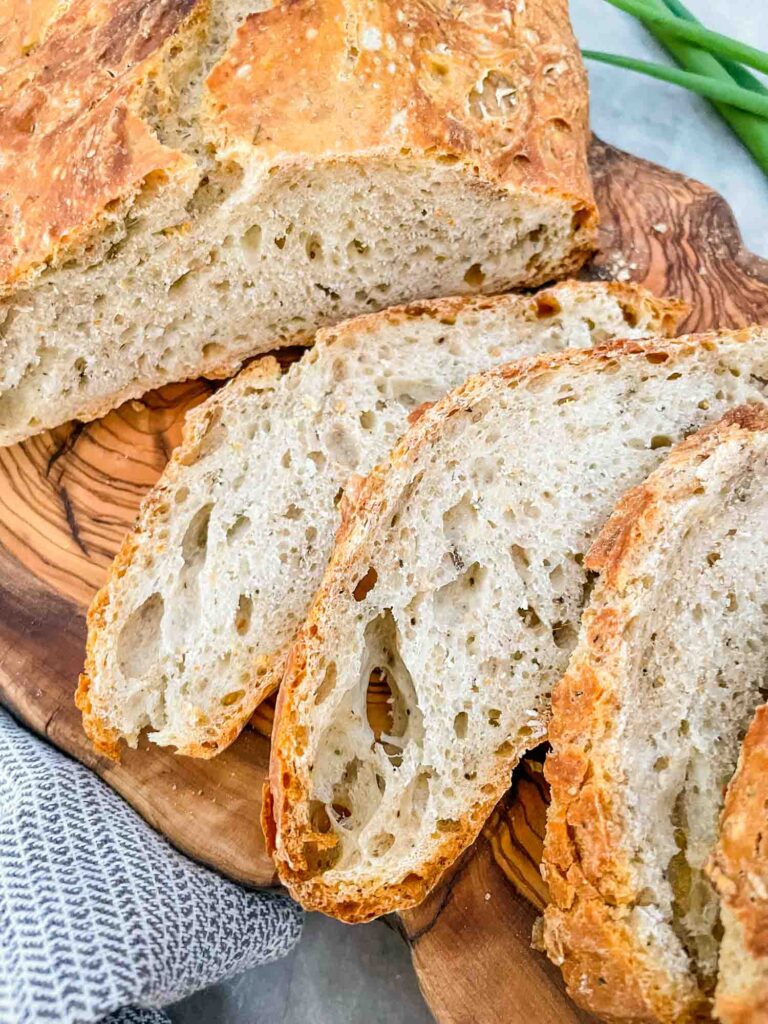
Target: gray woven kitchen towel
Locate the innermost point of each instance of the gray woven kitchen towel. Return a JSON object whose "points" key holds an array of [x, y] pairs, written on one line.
{"points": [[98, 913]]}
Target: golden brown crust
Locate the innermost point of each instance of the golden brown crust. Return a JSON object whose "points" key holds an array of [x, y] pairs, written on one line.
{"points": [[739, 870], [496, 84], [71, 144], [297, 843], [606, 968]]}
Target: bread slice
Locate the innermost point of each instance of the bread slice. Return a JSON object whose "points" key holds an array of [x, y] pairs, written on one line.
{"points": [[192, 628], [183, 185], [459, 582], [739, 870], [647, 723]]}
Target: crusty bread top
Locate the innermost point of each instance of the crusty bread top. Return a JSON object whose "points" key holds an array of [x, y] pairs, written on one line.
{"points": [[551, 442], [494, 84], [70, 142], [739, 870], [623, 954]]}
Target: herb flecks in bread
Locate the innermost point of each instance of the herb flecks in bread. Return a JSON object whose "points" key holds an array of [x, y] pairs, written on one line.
{"points": [[646, 729], [184, 185], [460, 575], [192, 628]]}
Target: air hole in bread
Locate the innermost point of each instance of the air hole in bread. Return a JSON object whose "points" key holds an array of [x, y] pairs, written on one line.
{"points": [[181, 495], [420, 794], [367, 420], [365, 585], [530, 617], [381, 844], [448, 825], [547, 306], [252, 239], [317, 458], [232, 698], [318, 817], [564, 635], [557, 579], [630, 317], [214, 350], [357, 250], [178, 285], [660, 441], [195, 542], [474, 276], [494, 717], [139, 639], [341, 811], [243, 614], [314, 247], [521, 562], [237, 529], [325, 689]]}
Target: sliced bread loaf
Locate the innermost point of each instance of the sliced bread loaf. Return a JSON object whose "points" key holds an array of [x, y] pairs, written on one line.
{"points": [[458, 582], [191, 630], [186, 183], [646, 728], [739, 870]]}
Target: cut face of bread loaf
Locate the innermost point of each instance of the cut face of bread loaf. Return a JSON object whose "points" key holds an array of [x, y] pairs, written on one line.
{"points": [[739, 870], [172, 201], [459, 581], [646, 728], [192, 628]]}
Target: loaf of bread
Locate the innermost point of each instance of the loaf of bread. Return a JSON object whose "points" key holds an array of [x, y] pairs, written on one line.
{"points": [[739, 870], [645, 735], [185, 183], [191, 630], [457, 582]]}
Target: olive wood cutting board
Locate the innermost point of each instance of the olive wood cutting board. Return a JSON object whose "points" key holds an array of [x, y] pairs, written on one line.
{"points": [[67, 497]]}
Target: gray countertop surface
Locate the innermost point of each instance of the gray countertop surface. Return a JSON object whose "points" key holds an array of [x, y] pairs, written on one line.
{"points": [[344, 975]]}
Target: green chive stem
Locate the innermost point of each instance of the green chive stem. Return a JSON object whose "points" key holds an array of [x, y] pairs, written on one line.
{"points": [[752, 130], [739, 74], [713, 89], [667, 24]]}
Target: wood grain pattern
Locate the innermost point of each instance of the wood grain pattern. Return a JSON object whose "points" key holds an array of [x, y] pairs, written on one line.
{"points": [[67, 497]]}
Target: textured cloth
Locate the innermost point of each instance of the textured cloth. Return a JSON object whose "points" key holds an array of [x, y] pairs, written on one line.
{"points": [[98, 912]]}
